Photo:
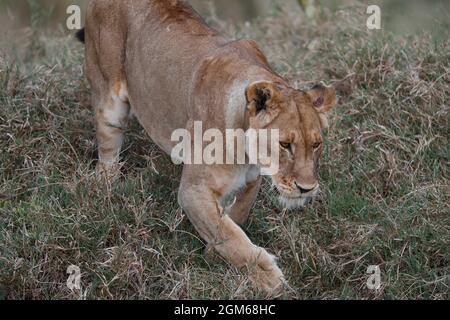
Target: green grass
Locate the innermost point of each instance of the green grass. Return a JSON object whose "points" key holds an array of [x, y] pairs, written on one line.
{"points": [[385, 177]]}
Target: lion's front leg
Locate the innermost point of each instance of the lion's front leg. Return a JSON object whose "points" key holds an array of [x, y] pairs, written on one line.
{"points": [[199, 201], [245, 199]]}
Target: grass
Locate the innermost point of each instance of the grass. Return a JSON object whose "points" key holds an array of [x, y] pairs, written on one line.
{"points": [[385, 176]]}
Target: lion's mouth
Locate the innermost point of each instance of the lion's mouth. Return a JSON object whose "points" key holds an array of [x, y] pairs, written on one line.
{"points": [[295, 202]]}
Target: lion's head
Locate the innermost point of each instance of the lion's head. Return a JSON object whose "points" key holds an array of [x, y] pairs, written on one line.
{"points": [[300, 118]]}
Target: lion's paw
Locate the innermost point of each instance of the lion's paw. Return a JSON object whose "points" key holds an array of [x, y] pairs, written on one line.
{"points": [[107, 171], [267, 275]]}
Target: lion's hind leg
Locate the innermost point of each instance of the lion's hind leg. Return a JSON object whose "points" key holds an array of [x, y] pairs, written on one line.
{"points": [[111, 117]]}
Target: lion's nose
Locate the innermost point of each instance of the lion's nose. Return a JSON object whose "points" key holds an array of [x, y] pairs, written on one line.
{"points": [[306, 189]]}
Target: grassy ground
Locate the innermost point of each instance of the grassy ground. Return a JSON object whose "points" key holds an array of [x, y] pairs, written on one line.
{"points": [[385, 176]]}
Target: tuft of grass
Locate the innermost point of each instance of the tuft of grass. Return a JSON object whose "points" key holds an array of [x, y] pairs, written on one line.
{"points": [[385, 177]]}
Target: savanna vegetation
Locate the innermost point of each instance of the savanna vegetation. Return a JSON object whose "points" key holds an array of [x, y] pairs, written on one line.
{"points": [[385, 172]]}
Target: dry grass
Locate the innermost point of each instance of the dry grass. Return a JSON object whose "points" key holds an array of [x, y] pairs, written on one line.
{"points": [[385, 175]]}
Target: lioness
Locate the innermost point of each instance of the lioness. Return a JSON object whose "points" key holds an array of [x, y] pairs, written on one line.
{"points": [[159, 60]]}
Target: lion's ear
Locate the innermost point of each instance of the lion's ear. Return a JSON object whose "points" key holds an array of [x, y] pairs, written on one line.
{"points": [[323, 98], [259, 96]]}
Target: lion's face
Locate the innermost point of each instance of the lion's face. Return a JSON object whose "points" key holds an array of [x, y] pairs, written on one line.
{"points": [[300, 117]]}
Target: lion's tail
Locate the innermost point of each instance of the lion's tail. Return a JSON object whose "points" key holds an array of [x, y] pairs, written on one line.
{"points": [[80, 35]]}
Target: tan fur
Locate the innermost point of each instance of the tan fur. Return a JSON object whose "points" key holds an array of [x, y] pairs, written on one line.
{"points": [[159, 60]]}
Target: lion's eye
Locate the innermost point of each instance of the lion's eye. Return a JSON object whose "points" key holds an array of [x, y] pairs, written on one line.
{"points": [[287, 146], [317, 145]]}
